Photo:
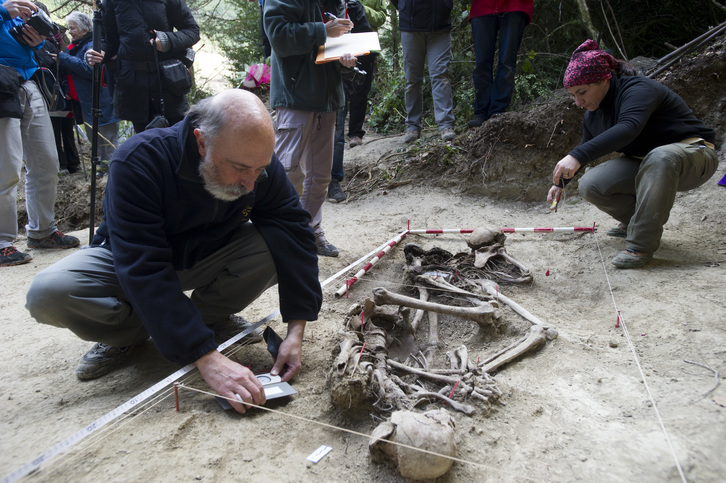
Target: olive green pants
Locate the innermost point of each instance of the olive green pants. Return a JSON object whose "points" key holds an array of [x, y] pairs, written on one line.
{"points": [[640, 193], [82, 293]]}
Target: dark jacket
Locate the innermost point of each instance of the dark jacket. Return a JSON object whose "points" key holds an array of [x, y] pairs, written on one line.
{"points": [[127, 24], [74, 63], [635, 116], [160, 219], [423, 15], [296, 30]]}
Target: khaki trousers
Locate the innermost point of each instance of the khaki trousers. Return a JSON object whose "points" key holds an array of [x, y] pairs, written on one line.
{"points": [[640, 193]]}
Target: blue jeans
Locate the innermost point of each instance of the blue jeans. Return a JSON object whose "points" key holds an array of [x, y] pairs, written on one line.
{"points": [[494, 93]]}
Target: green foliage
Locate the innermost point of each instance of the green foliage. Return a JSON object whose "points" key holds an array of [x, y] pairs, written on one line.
{"points": [[646, 27], [234, 26]]}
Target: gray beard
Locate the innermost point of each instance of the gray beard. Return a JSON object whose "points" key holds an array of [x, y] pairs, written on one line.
{"points": [[215, 188]]}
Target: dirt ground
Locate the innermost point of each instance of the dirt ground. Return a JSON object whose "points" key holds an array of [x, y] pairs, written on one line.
{"points": [[598, 403]]}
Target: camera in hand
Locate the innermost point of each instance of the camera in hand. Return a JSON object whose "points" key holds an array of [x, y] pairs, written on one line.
{"points": [[42, 24]]}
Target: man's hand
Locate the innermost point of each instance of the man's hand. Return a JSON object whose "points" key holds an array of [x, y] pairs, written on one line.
{"points": [[337, 27], [290, 352], [31, 36], [348, 60], [566, 168], [93, 57], [230, 379], [155, 42], [20, 8]]}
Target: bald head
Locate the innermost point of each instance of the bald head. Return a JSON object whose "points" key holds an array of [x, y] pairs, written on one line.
{"points": [[234, 113]]}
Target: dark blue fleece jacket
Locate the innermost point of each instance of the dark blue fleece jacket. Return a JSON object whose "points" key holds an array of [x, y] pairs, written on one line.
{"points": [[160, 219]]}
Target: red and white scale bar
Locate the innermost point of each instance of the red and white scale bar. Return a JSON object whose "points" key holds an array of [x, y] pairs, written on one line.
{"points": [[390, 244], [556, 229]]}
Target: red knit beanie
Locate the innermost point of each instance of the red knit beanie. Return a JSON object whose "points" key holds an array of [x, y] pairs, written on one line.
{"points": [[589, 64]]}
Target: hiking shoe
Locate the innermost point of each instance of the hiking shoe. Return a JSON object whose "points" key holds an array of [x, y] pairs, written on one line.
{"points": [[102, 359], [630, 258], [55, 240], [233, 325], [355, 141], [10, 256], [620, 231], [335, 192], [411, 135], [325, 248], [476, 121], [448, 134]]}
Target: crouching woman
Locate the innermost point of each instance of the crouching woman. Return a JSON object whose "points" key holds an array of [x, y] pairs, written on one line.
{"points": [[663, 146]]}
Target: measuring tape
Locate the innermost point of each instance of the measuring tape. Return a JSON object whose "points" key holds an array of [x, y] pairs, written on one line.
{"points": [[130, 404]]}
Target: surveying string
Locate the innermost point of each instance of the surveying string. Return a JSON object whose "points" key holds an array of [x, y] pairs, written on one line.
{"points": [[350, 431], [621, 321], [113, 414]]}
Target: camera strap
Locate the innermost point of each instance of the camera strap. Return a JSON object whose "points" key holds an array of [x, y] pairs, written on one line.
{"points": [[158, 77]]}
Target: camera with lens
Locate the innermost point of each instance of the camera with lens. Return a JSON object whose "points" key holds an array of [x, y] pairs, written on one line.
{"points": [[42, 24], [158, 121]]}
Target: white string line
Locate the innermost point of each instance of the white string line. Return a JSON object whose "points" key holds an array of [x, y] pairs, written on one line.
{"points": [[72, 453], [353, 432], [637, 363]]}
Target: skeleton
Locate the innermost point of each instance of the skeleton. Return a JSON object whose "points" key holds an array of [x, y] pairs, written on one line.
{"points": [[388, 332]]}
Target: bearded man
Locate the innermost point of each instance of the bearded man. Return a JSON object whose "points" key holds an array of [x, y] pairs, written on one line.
{"points": [[205, 206]]}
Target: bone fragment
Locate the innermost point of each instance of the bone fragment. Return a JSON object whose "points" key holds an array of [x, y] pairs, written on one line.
{"points": [[491, 287], [436, 377], [482, 314], [535, 339], [483, 255], [502, 252], [346, 348], [423, 295], [441, 283], [433, 329], [461, 407]]}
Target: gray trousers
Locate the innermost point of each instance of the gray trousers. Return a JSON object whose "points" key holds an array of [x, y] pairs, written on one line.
{"points": [[418, 47], [29, 139], [304, 145], [81, 292], [640, 193]]}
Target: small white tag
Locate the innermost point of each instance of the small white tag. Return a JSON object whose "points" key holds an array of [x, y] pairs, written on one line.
{"points": [[271, 391], [319, 453]]}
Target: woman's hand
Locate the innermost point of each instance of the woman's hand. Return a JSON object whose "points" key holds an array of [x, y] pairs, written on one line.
{"points": [[566, 168]]}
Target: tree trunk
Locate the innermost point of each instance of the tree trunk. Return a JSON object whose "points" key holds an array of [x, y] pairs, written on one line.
{"points": [[587, 21]]}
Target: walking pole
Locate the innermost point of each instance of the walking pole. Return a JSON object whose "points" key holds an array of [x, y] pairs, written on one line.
{"points": [[96, 83]]}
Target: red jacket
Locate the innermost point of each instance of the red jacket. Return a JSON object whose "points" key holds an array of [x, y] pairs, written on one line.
{"points": [[488, 7]]}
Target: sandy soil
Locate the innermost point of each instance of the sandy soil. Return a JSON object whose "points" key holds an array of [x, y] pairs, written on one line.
{"points": [[577, 410]]}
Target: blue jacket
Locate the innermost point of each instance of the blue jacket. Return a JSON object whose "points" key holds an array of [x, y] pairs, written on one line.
{"points": [[160, 219], [74, 63], [12, 53], [423, 15]]}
